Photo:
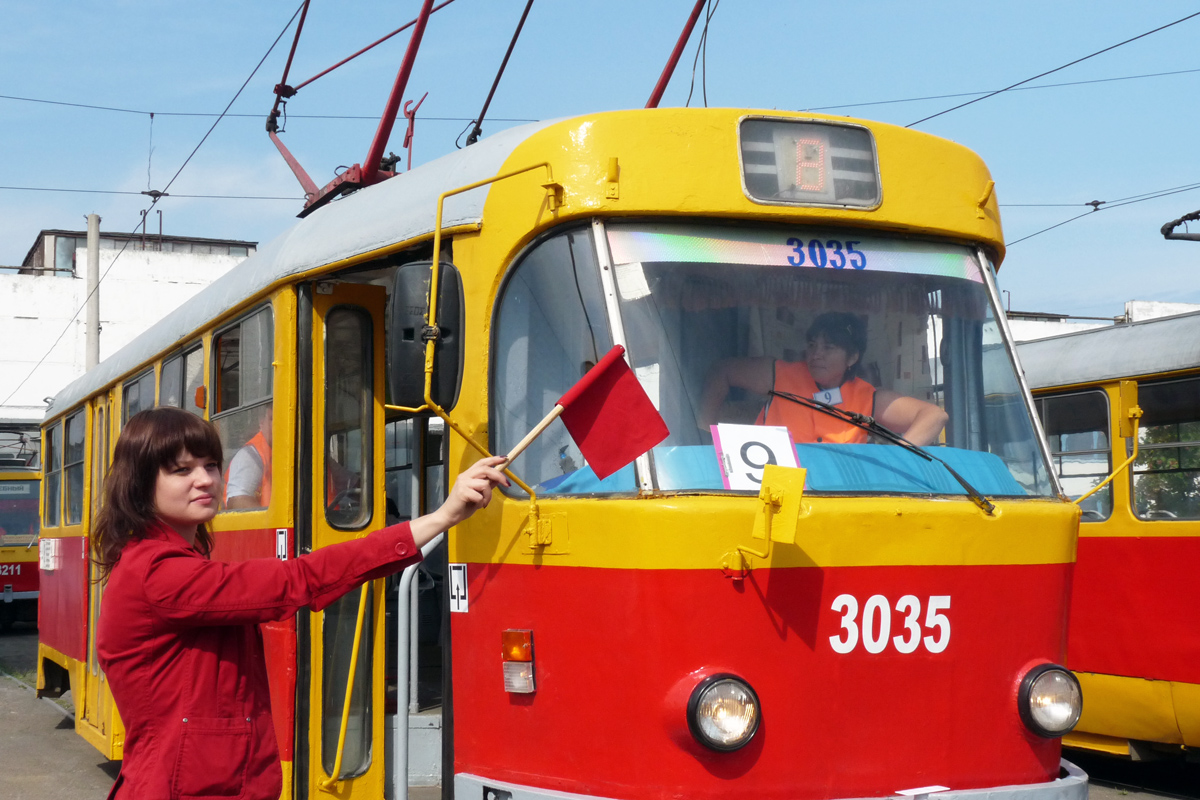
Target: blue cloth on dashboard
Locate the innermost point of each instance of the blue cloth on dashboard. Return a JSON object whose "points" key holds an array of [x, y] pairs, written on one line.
{"points": [[831, 468]]}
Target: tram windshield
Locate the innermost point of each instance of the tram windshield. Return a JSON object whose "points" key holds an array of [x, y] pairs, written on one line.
{"points": [[728, 328], [19, 522]]}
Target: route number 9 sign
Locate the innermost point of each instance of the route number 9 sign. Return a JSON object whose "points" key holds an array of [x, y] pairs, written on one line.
{"points": [[743, 451]]}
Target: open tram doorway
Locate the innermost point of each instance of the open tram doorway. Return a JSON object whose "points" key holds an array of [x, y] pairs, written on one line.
{"points": [[414, 478], [370, 467]]}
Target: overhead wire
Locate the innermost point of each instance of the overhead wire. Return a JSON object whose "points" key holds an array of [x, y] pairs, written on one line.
{"points": [[702, 57], [836, 107], [115, 191], [1100, 205], [1056, 69], [993, 91], [153, 203], [373, 117]]}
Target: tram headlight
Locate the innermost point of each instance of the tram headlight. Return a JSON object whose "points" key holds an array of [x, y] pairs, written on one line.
{"points": [[1050, 700], [723, 712]]}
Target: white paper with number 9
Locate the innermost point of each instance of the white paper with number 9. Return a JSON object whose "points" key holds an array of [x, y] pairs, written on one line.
{"points": [[743, 451]]}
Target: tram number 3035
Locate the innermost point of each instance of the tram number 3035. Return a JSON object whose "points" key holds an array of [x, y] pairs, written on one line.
{"points": [[874, 628]]}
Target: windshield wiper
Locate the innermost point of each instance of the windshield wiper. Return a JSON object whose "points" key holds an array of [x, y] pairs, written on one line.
{"points": [[868, 423]]}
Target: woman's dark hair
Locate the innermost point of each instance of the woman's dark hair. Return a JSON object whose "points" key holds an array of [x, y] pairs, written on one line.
{"points": [[840, 328], [152, 439]]}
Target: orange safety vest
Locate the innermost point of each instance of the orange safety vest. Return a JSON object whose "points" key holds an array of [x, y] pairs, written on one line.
{"points": [[806, 424], [259, 443]]}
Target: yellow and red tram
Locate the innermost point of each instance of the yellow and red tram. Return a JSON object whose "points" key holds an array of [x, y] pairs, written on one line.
{"points": [[19, 523], [1135, 610], [890, 624]]}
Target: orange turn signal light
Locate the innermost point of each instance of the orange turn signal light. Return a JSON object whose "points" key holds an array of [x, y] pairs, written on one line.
{"points": [[516, 645]]}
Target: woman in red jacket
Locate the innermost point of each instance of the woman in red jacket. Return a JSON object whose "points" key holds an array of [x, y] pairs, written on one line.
{"points": [[178, 633]]}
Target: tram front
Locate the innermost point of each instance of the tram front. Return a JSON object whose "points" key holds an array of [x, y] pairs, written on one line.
{"points": [[700, 624]]}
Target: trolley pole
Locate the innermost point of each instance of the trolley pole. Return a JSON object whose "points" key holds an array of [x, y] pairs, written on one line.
{"points": [[93, 286]]}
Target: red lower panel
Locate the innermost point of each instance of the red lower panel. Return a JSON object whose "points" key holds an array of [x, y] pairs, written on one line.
{"points": [[63, 600], [22, 576], [617, 651], [279, 638], [1135, 608]]}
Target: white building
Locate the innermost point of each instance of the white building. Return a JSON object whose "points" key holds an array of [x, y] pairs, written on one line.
{"points": [[1027, 326], [43, 314]]}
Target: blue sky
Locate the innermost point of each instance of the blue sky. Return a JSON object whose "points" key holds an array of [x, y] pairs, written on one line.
{"points": [[1104, 140]]}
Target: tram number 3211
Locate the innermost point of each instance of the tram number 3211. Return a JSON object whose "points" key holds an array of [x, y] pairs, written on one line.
{"points": [[876, 624]]}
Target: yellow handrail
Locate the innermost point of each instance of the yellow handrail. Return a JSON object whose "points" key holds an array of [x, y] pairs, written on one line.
{"points": [[1135, 414], [341, 745]]}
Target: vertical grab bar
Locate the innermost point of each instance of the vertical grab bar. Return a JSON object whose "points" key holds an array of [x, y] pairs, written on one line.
{"points": [[403, 632]]}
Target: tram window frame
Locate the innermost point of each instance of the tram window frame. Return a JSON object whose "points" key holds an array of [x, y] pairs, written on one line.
{"points": [[338, 483], [179, 378], [73, 465], [134, 388], [238, 416], [1099, 506], [52, 484], [1175, 416]]}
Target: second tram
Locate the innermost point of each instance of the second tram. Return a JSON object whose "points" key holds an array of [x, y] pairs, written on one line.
{"points": [[1135, 608]]}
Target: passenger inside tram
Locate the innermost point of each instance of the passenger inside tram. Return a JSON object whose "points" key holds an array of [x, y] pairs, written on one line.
{"points": [[829, 374]]}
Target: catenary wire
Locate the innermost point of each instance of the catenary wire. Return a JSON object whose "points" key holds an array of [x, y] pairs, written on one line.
{"points": [[114, 191], [1056, 69], [154, 202], [992, 91], [525, 119], [1110, 205]]}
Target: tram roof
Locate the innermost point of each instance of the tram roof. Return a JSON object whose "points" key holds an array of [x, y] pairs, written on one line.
{"points": [[1148, 347], [399, 209]]}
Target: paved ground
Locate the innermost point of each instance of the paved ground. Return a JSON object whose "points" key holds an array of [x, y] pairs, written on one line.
{"points": [[45, 760], [43, 757]]}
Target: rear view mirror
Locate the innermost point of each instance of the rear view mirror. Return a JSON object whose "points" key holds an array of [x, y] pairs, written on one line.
{"points": [[408, 333]]}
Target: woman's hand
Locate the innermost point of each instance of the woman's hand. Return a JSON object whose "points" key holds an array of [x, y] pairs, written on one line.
{"points": [[471, 492]]}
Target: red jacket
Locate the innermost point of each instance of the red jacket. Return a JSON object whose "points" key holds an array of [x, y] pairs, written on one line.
{"points": [[178, 639]]}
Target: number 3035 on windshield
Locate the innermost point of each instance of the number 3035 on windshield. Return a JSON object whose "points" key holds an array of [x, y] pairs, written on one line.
{"points": [[830, 253]]}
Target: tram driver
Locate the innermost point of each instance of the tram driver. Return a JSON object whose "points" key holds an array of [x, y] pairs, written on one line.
{"points": [[835, 343]]}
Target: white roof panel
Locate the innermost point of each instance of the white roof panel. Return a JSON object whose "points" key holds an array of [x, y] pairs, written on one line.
{"points": [[1148, 347]]}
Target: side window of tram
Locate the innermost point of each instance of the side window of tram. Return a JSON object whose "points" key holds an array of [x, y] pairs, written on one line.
{"points": [[242, 408], [73, 468], [1166, 475], [349, 411], [52, 463], [181, 376], [550, 330], [1077, 429], [137, 395]]}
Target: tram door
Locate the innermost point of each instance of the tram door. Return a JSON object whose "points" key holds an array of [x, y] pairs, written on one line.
{"points": [[94, 701], [346, 739]]}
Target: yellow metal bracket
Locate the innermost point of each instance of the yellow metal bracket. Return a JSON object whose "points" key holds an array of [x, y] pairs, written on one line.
{"points": [[612, 180], [780, 495], [981, 204]]}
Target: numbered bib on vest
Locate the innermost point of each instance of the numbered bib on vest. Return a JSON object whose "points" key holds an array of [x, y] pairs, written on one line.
{"points": [[830, 397], [744, 451]]}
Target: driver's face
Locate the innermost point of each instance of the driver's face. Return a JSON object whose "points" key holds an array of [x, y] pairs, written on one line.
{"points": [[827, 362]]}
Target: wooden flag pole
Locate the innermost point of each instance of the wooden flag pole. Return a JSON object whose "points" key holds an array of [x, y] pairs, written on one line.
{"points": [[533, 434]]}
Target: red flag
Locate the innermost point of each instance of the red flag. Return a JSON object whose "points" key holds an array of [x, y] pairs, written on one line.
{"points": [[609, 415]]}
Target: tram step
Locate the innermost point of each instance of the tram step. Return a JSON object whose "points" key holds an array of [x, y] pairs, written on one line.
{"points": [[424, 752]]}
